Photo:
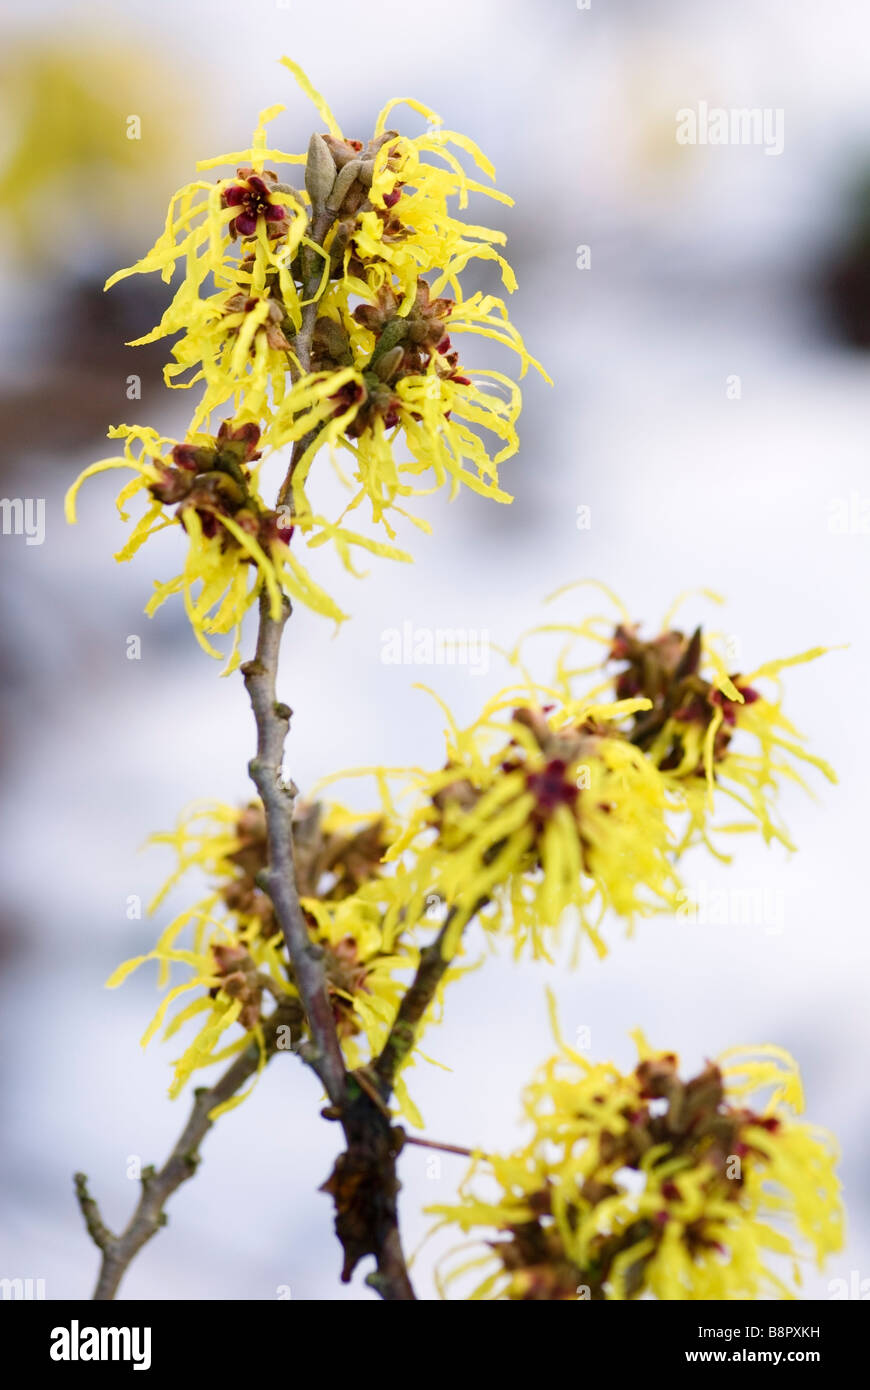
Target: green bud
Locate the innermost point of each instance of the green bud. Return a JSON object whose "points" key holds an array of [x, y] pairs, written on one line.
{"points": [[319, 171], [387, 364], [342, 185], [393, 332]]}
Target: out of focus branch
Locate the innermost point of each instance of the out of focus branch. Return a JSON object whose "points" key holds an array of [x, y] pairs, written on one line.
{"points": [[158, 1185]]}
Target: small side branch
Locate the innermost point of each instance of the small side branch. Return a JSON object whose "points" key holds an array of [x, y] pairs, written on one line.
{"points": [[415, 1001], [432, 968], [158, 1185], [435, 1144]]}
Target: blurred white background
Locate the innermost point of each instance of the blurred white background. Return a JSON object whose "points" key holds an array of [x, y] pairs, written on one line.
{"points": [[706, 262]]}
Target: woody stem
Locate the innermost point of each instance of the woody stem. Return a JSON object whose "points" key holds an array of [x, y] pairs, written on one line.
{"points": [[431, 969], [278, 796], [321, 224], [363, 1184], [119, 1251]]}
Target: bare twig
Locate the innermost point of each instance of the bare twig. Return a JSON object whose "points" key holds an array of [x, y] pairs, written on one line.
{"points": [[431, 969], [363, 1183], [421, 1143], [158, 1185], [307, 958]]}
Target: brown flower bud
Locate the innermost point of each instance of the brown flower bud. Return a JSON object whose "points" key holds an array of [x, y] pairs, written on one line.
{"points": [[173, 485]]}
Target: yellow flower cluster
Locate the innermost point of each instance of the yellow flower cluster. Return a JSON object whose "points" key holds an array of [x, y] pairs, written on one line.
{"points": [[712, 732], [547, 808], [643, 1184], [554, 805], [538, 809], [235, 958], [237, 547], [307, 319]]}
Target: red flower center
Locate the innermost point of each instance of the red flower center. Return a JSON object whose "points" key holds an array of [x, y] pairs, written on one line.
{"points": [[551, 788]]}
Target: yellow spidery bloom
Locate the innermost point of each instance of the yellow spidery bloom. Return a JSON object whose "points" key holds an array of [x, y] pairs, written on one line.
{"points": [[713, 732], [538, 809], [370, 366], [385, 372], [237, 547], [240, 233], [235, 953], [647, 1185], [382, 356]]}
